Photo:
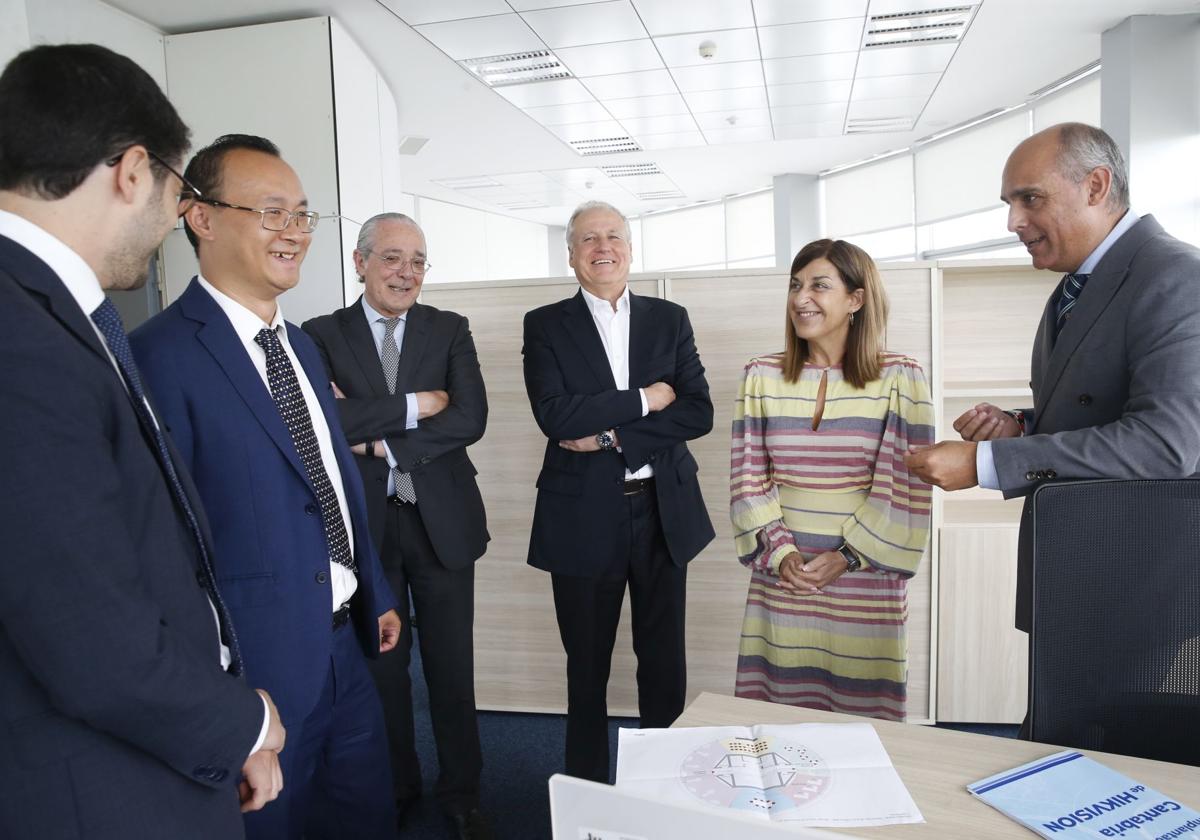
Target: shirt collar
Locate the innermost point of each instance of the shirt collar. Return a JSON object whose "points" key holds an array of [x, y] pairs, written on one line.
{"points": [[1127, 221], [72, 269], [245, 323], [373, 316], [600, 306]]}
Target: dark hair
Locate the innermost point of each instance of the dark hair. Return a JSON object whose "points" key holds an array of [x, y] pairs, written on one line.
{"points": [[65, 109], [861, 364], [205, 169]]}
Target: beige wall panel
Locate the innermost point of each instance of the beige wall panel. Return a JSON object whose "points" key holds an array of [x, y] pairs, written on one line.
{"points": [[982, 658]]}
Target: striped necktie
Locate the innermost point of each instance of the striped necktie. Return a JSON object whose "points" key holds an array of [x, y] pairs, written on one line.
{"points": [[1072, 288]]}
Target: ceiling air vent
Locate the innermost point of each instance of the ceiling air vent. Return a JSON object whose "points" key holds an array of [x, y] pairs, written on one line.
{"points": [[529, 204], [605, 145], [880, 125], [631, 170], [659, 195], [517, 68], [928, 26]]}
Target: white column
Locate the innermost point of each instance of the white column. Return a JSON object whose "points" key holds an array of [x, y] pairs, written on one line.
{"points": [[1150, 104], [797, 215], [556, 251]]}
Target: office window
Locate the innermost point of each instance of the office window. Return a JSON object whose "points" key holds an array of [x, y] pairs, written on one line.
{"points": [[872, 197], [750, 229], [466, 244], [1077, 103], [963, 236], [961, 174], [692, 238]]}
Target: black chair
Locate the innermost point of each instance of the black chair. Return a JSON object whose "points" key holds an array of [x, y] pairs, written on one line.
{"points": [[1114, 656]]}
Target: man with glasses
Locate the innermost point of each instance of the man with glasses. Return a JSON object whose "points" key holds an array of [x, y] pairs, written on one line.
{"points": [[125, 713], [247, 401], [412, 401]]}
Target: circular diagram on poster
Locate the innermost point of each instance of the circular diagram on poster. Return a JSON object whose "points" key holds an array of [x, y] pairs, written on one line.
{"points": [[765, 774]]}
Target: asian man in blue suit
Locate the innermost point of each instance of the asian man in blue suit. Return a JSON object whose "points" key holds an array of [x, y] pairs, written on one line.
{"points": [[246, 398]]}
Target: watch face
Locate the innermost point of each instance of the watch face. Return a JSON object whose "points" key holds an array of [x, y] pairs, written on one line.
{"points": [[605, 440]]}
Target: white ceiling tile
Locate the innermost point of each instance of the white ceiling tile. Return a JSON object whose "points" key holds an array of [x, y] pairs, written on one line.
{"points": [[732, 45], [605, 59], [415, 12], [629, 85], [707, 101], [794, 114], [646, 106], [738, 135], [736, 74], [646, 183], [666, 17], [659, 125], [897, 61], [810, 68], [679, 140], [875, 109], [526, 5], [741, 119], [817, 38], [812, 93], [578, 178], [889, 87], [491, 193], [524, 180], [775, 12], [589, 131], [806, 131], [554, 195], [890, 7], [596, 23], [478, 37], [576, 112], [538, 94]]}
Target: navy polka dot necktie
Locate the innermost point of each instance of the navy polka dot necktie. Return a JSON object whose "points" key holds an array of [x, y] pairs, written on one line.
{"points": [[108, 321], [289, 399]]}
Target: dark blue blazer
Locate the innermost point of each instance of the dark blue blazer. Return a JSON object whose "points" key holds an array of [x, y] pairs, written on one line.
{"points": [[116, 719], [271, 559]]}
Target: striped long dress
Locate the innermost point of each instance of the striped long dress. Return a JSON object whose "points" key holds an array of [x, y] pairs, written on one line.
{"points": [[796, 489]]}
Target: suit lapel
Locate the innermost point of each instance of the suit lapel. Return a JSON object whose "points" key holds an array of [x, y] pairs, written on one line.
{"points": [[217, 336], [581, 327], [362, 345], [639, 338]]}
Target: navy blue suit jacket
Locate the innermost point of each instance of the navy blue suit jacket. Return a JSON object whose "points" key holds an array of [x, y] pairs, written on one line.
{"points": [[271, 559], [116, 719]]}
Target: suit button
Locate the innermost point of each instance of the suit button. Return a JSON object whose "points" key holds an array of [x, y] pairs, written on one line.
{"points": [[1085, 399], [310, 509], [1051, 474], [1030, 476], [322, 577], [1041, 474]]}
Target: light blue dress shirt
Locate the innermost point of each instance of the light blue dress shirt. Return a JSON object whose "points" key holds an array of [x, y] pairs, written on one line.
{"points": [[378, 330], [985, 463]]}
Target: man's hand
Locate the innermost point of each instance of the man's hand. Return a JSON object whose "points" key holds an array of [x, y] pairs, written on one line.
{"points": [[337, 392], [262, 780], [986, 422], [389, 630], [802, 578], [659, 396], [583, 444], [430, 403], [949, 464], [276, 734]]}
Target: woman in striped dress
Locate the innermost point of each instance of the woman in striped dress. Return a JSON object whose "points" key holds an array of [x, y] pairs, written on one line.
{"points": [[825, 514]]}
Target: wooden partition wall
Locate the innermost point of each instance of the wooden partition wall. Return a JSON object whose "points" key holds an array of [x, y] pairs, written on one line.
{"points": [[519, 663]]}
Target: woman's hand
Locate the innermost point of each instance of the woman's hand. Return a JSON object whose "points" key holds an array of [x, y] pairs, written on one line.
{"points": [[802, 578]]}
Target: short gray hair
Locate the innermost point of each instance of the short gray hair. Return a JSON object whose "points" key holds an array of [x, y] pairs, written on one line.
{"points": [[366, 233], [594, 205], [1082, 148]]}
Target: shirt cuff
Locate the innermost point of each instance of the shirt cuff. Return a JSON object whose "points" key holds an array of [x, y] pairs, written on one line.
{"points": [[645, 403], [985, 466], [413, 413], [387, 453], [266, 724]]}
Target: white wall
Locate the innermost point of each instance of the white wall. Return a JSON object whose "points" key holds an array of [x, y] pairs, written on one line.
{"points": [[14, 29], [90, 21]]}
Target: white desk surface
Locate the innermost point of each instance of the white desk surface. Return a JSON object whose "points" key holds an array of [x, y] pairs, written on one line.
{"points": [[937, 764]]}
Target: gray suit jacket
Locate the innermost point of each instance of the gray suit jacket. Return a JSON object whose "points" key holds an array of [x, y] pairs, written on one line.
{"points": [[1117, 395]]}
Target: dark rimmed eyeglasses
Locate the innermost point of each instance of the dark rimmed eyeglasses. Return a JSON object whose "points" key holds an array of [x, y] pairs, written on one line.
{"points": [[187, 196], [273, 218]]}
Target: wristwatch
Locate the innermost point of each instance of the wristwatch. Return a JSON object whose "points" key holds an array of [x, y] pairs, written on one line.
{"points": [[606, 440], [853, 564], [1018, 415]]}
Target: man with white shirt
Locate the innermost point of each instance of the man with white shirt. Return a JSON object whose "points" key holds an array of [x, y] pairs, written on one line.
{"points": [[616, 385], [1116, 360], [247, 401], [124, 710]]}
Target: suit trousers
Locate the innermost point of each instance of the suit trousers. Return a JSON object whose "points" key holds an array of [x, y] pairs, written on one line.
{"points": [[336, 779], [588, 612], [443, 601]]}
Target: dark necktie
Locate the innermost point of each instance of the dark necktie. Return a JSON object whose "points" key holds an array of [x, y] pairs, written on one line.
{"points": [[1072, 288], [108, 321], [390, 357], [289, 399]]}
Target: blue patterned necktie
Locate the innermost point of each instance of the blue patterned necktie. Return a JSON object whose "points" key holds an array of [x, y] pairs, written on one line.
{"points": [[108, 321], [289, 399], [390, 359], [1072, 288]]}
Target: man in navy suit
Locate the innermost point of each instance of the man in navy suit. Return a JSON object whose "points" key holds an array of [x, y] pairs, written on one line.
{"points": [[246, 399], [122, 712]]}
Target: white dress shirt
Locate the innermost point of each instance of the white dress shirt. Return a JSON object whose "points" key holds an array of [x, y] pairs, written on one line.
{"points": [[379, 332], [83, 285], [613, 326], [985, 462], [247, 325]]}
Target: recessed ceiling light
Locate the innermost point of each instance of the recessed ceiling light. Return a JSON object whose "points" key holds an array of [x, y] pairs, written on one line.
{"points": [[629, 170], [604, 145], [517, 68], [879, 125], [927, 26]]}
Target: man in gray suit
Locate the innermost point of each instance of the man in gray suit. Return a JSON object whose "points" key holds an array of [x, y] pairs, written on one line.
{"points": [[1116, 360]]}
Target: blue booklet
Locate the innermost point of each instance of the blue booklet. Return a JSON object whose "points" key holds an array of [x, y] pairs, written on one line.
{"points": [[1068, 796]]}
